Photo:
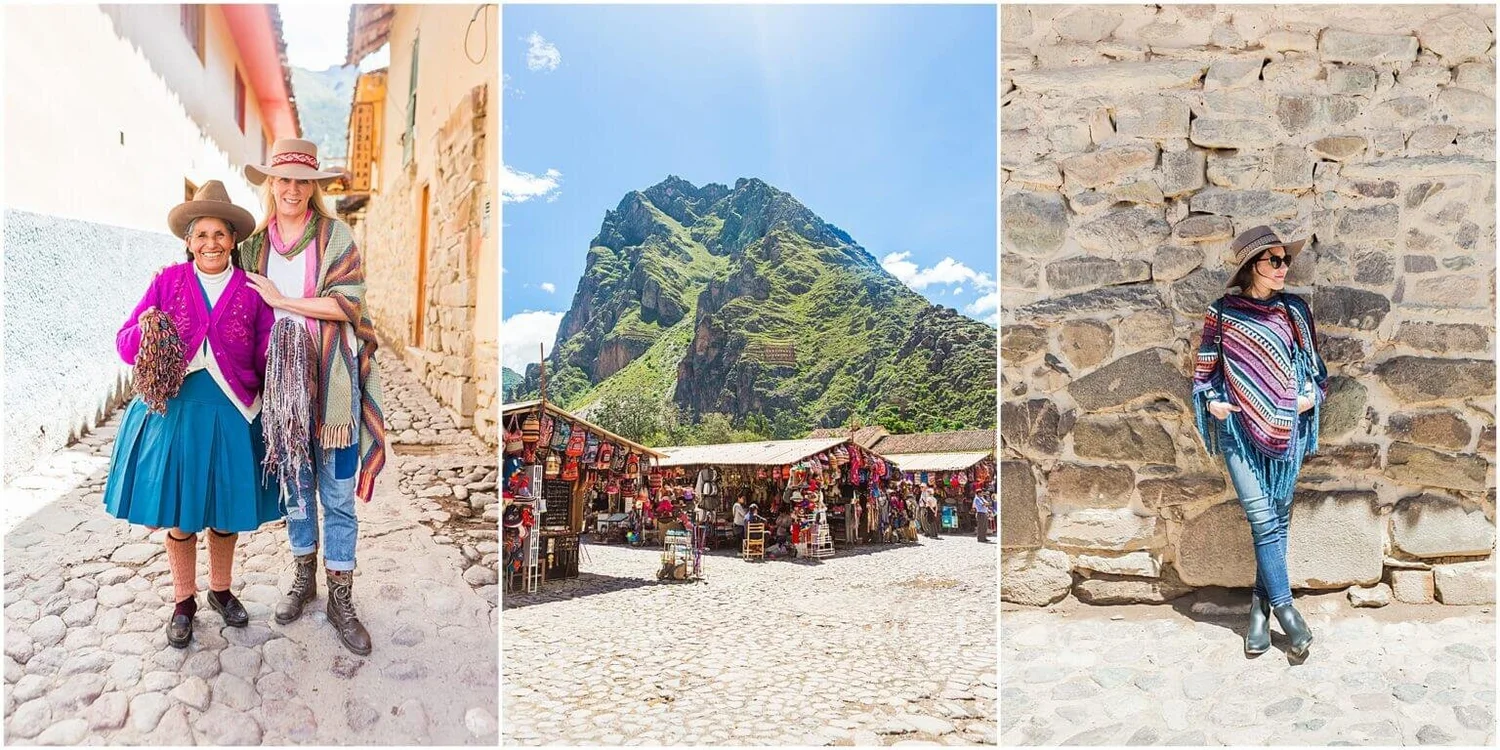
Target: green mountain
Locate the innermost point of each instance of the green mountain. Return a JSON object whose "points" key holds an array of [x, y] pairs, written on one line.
{"points": [[509, 379], [323, 101], [742, 301]]}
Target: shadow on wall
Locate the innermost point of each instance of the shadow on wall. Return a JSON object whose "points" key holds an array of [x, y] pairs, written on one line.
{"points": [[1137, 141]]}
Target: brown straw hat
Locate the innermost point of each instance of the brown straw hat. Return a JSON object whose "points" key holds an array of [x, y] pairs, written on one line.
{"points": [[292, 158], [211, 200], [1252, 241]]}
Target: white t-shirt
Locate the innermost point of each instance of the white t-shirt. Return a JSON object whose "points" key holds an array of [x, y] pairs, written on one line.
{"points": [[214, 285], [290, 277], [739, 514]]}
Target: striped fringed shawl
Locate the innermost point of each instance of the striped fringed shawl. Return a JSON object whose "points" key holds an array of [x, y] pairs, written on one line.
{"points": [[348, 406], [1270, 353]]}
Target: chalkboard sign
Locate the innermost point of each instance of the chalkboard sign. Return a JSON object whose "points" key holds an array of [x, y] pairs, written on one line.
{"points": [[559, 496]]}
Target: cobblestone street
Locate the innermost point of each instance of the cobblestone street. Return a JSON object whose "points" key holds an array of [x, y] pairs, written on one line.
{"points": [[875, 646], [87, 598], [1176, 675]]}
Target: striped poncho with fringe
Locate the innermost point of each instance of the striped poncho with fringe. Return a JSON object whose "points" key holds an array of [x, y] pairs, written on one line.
{"points": [[348, 410], [1270, 358]]}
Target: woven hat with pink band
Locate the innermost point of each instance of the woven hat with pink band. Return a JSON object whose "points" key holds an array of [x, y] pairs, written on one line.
{"points": [[292, 158]]}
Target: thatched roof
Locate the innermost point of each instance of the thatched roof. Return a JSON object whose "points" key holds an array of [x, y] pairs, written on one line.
{"points": [[963, 441]]}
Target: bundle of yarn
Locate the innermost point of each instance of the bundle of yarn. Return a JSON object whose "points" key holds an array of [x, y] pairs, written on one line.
{"points": [[160, 366], [288, 403]]}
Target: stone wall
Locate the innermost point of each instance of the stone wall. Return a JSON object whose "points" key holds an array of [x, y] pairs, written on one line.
{"points": [[1137, 141], [458, 370]]}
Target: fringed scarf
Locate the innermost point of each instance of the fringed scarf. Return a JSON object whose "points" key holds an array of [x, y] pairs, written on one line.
{"points": [[348, 406], [291, 398], [1268, 353], [161, 365]]}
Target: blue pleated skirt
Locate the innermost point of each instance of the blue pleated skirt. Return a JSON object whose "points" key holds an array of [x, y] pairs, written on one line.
{"points": [[196, 467]]}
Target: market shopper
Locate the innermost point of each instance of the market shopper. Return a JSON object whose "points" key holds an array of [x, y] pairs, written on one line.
{"points": [[1260, 377], [930, 511], [739, 520], [982, 515]]}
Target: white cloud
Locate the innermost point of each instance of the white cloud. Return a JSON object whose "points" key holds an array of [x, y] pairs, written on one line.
{"points": [[989, 303], [541, 54], [521, 333], [947, 271], [519, 187], [549, 287], [958, 290]]}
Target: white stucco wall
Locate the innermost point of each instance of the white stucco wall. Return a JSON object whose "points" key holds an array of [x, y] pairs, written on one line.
{"points": [[85, 213]]}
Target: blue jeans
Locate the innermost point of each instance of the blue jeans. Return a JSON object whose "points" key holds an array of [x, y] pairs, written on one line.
{"points": [[335, 473], [1269, 520]]}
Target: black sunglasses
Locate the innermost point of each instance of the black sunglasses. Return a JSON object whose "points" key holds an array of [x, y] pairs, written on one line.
{"points": [[1277, 261]]}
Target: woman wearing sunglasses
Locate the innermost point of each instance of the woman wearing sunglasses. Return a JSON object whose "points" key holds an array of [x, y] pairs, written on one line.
{"points": [[1260, 378]]}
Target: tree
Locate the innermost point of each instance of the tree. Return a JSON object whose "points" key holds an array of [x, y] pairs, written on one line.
{"points": [[634, 416]]}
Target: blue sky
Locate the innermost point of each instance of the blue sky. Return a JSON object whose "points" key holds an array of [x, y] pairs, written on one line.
{"points": [[880, 119]]}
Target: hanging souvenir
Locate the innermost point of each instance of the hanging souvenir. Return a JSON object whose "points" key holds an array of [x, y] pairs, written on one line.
{"points": [[553, 466], [606, 455], [544, 438], [633, 465], [531, 429], [577, 442], [656, 480], [513, 442], [570, 470], [840, 456], [560, 434], [591, 450], [617, 463]]}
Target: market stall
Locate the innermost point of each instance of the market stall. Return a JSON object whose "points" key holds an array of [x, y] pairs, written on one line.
{"points": [[954, 477], [825, 486], [559, 471]]}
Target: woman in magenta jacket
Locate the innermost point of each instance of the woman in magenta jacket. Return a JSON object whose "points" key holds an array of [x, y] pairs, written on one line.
{"points": [[197, 466]]}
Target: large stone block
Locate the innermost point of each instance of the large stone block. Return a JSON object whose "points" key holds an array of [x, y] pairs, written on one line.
{"points": [[1245, 204], [1421, 379], [1412, 586], [1351, 79], [1104, 588], [1086, 343], [1087, 25], [1020, 342], [1218, 132], [1020, 527], [1072, 486], [1330, 462], [1112, 438], [1182, 172], [1034, 223], [1173, 262], [1238, 171], [1342, 408], [1467, 107], [1102, 529], [1110, 299], [1150, 374], [1192, 293], [1153, 117], [1183, 489], [1139, 563], [1090, 272], [1375, 222], [1468, 291], [1030, 426], [1437, 429], [1292, 168], [1123, 233], [1035, 577], [1366, 49], [1465, 583], [1439, 526], [1335, 541], [1349, 308], [1113, 79], [1229, 73], [1019, 272], [1204, 228], [1339, 147], [1108, 165], [1413, 464]]}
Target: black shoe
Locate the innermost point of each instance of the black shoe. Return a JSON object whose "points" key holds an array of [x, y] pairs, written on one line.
{"points": [[1258, 637], [1295, 628], [180, 627], [234, 613]]}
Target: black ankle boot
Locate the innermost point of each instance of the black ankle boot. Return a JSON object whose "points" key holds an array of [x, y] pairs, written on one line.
{"points": [[1258, 637], [1295, 628]]}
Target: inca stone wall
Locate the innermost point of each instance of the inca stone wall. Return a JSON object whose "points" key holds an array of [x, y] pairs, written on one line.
{"points": [[1137, 141], [450, 363]]}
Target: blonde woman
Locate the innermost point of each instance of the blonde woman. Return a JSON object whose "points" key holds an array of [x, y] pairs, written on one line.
{"points": [[304, 263]]}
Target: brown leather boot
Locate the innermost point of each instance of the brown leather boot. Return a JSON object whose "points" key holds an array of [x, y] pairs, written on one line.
{"points": [[304, 588], [341, 612]]}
